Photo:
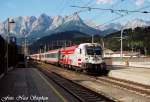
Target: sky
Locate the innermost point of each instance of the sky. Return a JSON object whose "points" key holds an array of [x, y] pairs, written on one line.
{"points": [[14, 8]]}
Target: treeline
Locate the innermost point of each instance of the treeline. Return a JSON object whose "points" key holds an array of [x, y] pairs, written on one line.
{"points": [[137, 39], [12, 55]]}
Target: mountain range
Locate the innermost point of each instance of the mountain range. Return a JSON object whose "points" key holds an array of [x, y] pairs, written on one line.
{"points": [[37, 27]]}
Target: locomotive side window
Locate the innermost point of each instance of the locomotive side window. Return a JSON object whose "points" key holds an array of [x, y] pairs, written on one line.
{"points": [[92, 50], [52, 55], [80, 51]]}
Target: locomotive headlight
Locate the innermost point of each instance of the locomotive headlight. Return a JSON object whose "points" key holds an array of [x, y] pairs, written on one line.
{"points": [[86, 59]]}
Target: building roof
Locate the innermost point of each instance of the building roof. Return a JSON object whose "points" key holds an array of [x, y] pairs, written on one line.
{"points": [[127, 53], [108, 51]]}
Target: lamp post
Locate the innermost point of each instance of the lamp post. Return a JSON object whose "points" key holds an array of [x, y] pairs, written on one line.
{"points": [[121, 41], [121, 47], [7, 47], [102, 42], [25, 50], [92, 38]]}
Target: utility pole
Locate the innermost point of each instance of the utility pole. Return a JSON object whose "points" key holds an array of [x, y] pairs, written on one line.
{"points": [[25, 47], [132, 45], [45, 48], [7, 47], [121, 47], [65, 43], [103, 44], [52, 46], [92, 38], [25, 51]]}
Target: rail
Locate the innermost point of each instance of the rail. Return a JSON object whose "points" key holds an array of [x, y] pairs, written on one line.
{"points": [[81, 93]]}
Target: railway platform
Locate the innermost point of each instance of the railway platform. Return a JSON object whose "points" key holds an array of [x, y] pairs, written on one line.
{"points": [[30, 85], [139, 75]]}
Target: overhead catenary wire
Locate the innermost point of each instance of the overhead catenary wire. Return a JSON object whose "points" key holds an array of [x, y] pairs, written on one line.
{"points": [[116, 4], [112, 10], [121, 16], [116, 11], [127, 12]]}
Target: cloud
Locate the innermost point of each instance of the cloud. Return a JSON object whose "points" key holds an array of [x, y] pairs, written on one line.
{"points": [[104, 1], [139, 2]]}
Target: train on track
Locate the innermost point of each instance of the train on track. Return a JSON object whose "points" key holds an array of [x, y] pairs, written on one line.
{"points": [[84, 57]]}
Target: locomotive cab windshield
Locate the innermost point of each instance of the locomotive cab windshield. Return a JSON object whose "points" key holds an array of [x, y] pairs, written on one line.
{"points": [[93, 50]]}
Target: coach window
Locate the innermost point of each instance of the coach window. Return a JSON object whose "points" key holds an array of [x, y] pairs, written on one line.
{"points": [[80, 51]]}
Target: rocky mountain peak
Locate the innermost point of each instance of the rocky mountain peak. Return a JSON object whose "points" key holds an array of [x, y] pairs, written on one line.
{"points": [[137, 23], [44, 25]]}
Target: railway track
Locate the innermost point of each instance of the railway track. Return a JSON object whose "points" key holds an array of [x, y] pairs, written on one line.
{"points": [[81, 93], [128, 85], [137, 88]]}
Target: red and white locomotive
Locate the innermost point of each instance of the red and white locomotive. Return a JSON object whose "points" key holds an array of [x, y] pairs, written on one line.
{"points": [[85, 56]]}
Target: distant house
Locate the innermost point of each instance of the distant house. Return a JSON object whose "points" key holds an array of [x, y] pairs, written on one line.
{"points": [[108, 52], [126, 54]]}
